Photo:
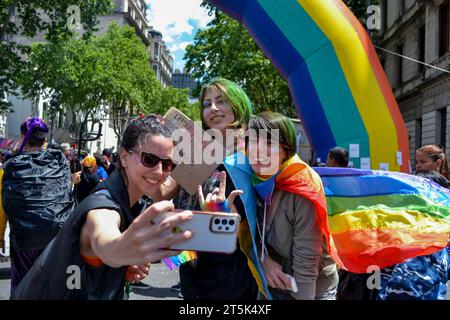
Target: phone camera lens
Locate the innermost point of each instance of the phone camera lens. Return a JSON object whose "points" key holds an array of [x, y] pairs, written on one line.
{"points": [[216, 221], [224, 221], [231, 222]]}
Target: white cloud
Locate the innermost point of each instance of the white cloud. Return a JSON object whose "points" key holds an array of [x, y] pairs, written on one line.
{"points": [[173, 18], [179, 46]]}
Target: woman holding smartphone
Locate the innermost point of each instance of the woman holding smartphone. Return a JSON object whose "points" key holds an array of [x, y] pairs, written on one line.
{"points": [[108, 240]]}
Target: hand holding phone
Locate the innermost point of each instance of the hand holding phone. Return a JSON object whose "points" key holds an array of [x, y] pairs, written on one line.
{"points": [[212, 231], [293, 286]]}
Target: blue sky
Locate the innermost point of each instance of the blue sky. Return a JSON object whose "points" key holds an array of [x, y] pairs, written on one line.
{"points": [[178, 21]]}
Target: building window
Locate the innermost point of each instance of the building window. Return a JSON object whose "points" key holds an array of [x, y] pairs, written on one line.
{"points": [[421, 49], [399, 65], [443, 28], [384, 16], [156, 51], [443, 127], [418, 134]]}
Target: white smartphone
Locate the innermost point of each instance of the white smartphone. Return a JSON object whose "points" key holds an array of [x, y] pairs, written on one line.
{"points": [[293, 287], [213, 231]]}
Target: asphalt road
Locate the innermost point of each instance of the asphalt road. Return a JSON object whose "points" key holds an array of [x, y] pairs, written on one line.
{"points": [[160, 279]]}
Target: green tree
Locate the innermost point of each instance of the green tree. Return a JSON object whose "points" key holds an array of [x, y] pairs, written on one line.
{"points": [[88, 74], [178, 98], [226, 49], [48, 17]]}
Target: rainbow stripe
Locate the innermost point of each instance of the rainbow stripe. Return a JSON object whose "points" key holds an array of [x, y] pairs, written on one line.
{"points": [[334, 75], [383, 218], [174, 262], [215, 206]]}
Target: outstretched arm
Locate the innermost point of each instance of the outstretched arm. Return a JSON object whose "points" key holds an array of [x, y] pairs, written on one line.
{"points": [[140, 244]]}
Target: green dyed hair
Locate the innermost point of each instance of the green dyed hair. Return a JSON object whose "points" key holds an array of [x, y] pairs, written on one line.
{"points": [[234, 96], [269, 120]]}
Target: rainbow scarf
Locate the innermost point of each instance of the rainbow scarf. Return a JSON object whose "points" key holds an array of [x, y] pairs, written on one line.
{"points": [[380, 218], [296, 177], [175, 261], [264, 187]]}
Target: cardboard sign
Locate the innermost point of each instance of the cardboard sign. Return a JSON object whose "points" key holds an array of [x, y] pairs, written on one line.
{"points": [[191, 170]]}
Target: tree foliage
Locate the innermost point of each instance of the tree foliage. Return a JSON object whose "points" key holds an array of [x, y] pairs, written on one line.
{"points": [[47, 17], [110, 73]]}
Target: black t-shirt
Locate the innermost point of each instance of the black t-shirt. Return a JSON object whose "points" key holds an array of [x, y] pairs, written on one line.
{"points": [[217, 276]]}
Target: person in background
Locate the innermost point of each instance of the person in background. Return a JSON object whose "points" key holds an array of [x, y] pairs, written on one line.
{"points": [[67, 150], [432, 157], [337, 157], [89, 178], [101, 171], [36, 196], [109, 161]]}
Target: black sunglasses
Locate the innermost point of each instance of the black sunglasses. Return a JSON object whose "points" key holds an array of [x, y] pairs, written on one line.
{"points": [[150, 160]]}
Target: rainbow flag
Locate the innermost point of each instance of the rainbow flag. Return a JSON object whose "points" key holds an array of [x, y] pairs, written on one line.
{"points": [[174, 262], [380, 218]]}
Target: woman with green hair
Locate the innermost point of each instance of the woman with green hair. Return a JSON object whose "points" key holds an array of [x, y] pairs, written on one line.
{"points": [[292, 213], [213, 276]]}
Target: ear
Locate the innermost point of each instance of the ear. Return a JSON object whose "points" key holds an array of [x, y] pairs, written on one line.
{"points": [[124, 157], [439, 163]]}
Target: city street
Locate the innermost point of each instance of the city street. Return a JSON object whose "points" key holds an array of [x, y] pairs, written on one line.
{"points": [[161, 279]]}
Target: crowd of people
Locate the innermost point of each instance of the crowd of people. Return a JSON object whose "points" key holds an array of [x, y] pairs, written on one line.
{"points": [[100, 218]]}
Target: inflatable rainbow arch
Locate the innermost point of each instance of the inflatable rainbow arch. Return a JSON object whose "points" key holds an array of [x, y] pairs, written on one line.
{"points": [[338, 85]]}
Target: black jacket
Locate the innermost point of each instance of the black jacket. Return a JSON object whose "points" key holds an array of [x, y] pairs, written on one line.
{"points": [[50, 274], [36, 197]]}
